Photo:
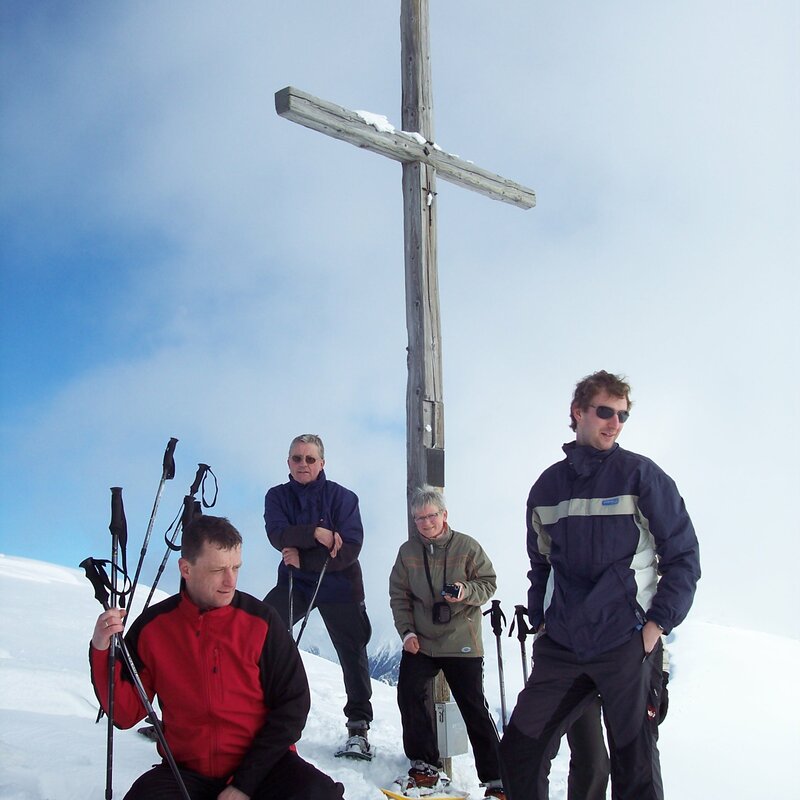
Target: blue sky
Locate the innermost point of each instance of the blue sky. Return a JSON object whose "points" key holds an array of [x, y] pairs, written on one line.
{"points": [[179, 261]]}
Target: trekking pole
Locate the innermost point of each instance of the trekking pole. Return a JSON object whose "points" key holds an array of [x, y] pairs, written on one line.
{"points": [[98, 579], [167, 473], [313, 600], [189, 510], [291, 599], [498, 619], [119, 535], [520, 612]]}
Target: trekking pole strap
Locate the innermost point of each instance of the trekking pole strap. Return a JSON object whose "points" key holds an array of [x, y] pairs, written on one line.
{"points": [[199, 484]]}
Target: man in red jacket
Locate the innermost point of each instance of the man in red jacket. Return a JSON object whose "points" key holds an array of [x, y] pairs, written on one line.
{"points": [[230, 682]]}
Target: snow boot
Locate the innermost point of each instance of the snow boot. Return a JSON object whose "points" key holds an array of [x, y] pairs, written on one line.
{"points": [[426, 775], [357, 745]]}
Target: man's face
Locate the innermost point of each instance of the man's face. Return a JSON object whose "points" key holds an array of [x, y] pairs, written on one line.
{"points": [[304, 462], [211, 580], [594, 431], [430, 521]]}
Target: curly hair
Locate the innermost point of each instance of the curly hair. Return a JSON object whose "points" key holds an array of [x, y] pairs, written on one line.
{"points": [[588, 388]]}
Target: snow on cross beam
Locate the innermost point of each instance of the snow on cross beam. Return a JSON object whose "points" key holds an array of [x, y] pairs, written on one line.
{"points": [[360, 130]]}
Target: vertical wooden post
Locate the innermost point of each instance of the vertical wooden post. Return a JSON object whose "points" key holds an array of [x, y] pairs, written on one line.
{"points": [[424, 406]]}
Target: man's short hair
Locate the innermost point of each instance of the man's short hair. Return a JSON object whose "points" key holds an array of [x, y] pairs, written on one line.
{"points": [[427, 496], [309, 438], [591, 385], [217, 531]]}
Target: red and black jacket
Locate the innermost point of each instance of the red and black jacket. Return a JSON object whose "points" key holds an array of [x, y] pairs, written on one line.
{"points": [[230, 682]]}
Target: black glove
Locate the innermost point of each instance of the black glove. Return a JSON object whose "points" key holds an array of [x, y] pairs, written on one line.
{"points": [[664, 705]]}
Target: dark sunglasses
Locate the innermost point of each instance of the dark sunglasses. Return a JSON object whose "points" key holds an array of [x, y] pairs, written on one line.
{"points": [[299, 459], [606, 412]]}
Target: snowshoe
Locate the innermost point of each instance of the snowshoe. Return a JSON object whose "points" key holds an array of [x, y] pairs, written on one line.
{"points": [[356, 747], [426, 782], [397, 792]]}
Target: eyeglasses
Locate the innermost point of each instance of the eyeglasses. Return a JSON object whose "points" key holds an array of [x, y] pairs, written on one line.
{"points": [[606, 412], [427, 517], [308, 459]]}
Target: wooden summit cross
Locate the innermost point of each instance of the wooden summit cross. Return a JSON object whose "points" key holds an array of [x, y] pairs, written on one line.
{"points": [[421, 160], [413, 147]]}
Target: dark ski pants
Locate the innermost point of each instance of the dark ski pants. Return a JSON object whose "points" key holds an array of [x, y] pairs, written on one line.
{"points": [[588, 760], [589, 764], [415, 699], [350, 630], [290, 779], [559, 691]]}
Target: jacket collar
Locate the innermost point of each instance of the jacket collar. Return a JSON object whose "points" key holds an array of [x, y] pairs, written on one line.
{"points": [[194, 613], [584, 460], [305, 489], [442, 541]]}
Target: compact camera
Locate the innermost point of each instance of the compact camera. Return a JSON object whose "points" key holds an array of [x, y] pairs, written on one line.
{"points": [[451, 589], [442, 614]]}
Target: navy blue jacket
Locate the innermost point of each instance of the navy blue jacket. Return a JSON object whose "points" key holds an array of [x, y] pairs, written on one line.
{"points": [[615, 531], [291, 513]]}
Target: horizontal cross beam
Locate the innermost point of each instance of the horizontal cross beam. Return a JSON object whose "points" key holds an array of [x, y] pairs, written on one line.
{"points": [[349, 126]]}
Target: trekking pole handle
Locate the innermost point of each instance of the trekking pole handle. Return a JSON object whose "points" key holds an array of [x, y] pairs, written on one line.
{"points": [[497, 617], [520, 612], [118, 525], [168, 466], [198, 478]]}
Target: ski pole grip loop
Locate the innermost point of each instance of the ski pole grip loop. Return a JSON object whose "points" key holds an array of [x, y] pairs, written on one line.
{"points": [[203, 490], [97, 577]]}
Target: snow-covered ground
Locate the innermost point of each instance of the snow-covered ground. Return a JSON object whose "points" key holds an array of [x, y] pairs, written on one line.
{"points": [[732, 732]]}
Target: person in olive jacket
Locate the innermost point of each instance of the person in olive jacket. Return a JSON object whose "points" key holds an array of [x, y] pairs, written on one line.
{"points": [[439, 582]]}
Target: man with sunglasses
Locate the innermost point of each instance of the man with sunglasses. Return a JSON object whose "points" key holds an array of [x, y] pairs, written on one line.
{"points": [[611, 543], [316, 524]]}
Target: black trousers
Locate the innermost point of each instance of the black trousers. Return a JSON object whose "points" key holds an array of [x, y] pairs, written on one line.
{"points": [[290, 779], [558, 693], [415, 699], [588, 760], [350, 630]]}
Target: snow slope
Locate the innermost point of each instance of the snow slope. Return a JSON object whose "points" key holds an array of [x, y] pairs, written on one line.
{"points": [[731, 733]]}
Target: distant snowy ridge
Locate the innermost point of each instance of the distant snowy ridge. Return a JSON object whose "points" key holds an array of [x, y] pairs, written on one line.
{"points": [[384, 662]]}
